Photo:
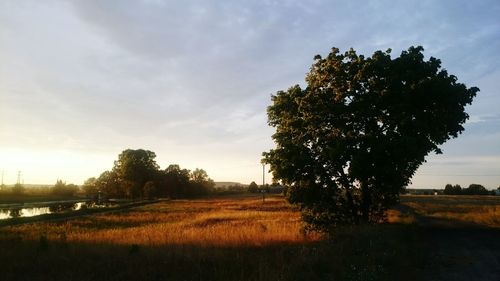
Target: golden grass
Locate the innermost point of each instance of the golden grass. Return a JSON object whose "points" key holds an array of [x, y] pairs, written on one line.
{"points": [[229, 238], [213, 222], [395, 216], [480, 210]]}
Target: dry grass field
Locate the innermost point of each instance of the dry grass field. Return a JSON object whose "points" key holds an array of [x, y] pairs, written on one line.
{"points": [[473, 210], [461, 234], [243, 238], [227, 238], [205, 223]]}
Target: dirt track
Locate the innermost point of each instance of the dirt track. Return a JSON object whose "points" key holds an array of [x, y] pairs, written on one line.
{"points": [[459, 251], [464, 254]]}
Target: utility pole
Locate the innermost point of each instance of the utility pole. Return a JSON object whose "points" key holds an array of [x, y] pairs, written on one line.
{"points": [[18, 177], [263, 182], [263, 174]]}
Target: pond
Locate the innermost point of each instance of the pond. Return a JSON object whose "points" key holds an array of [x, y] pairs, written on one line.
{"points": [[20, 211]]}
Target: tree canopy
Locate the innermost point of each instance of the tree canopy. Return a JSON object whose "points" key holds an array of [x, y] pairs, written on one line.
{"points": [[63, 189], [135, 168], [137, 175], [348, 143], [253, 187]]}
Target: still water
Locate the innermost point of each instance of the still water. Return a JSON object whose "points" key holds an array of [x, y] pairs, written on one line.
{"points": [[24, 212]]}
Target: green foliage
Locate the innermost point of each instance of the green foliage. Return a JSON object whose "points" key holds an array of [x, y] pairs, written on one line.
{"points": [[90, 187], [137, 175], [200, 183], [109, 183], [135, 168], [253, 187], [350, 141], [175, 182]]}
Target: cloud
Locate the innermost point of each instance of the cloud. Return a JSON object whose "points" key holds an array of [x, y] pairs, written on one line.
{"points": [[192, 79]]}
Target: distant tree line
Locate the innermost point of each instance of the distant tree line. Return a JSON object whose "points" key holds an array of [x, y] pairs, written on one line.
{"points": [[137, 175], [473, 189], [63, 189], [59, 189]]}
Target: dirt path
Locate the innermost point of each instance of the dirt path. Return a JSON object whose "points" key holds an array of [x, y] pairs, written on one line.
{"points": [[469, 253], [459, 251]]}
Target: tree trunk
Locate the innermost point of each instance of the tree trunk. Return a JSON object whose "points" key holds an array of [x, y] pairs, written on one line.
{"points": [[366, 201], [352, 206]]}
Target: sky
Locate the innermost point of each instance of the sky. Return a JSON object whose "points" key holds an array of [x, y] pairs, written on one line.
{"points": [[83, 80]]}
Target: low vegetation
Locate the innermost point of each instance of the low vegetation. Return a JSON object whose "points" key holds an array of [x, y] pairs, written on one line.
{"points": [[208, 222], [473, 189], [33, 195], [227, 238], [473, 210]]}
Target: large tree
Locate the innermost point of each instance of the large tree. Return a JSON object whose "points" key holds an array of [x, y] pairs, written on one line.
{"points": [[134, 168], [175, 181], [350, 141], [200, 183]]}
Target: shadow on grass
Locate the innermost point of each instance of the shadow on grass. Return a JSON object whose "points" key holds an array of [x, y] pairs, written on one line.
{"points": [[386, 252], [458, 250]]}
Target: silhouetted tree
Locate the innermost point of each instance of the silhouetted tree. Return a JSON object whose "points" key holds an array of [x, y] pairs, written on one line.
{"points": [[90, 187], [253, 187], [135, 175], [63, 189], [452, 189], [109, 183], [150, 190], [476, 189], [350, 141], [134, 168], [174, 182], [201, 184]]}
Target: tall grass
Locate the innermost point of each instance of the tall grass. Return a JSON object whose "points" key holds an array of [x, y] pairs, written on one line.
{"points": [[231, 238], [478, 210], [216, 222]]}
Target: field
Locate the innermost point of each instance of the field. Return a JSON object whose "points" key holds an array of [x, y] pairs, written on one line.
{"points": [[237, 238], [457, 210]]}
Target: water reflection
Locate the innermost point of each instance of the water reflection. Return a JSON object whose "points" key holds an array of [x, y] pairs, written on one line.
{"points": [[60, 208], [4, 214], [63, 207], [15, 213], [31, 212]]}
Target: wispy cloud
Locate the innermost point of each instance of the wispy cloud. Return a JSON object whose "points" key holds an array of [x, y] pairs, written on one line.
{"points": [[191, 80]]}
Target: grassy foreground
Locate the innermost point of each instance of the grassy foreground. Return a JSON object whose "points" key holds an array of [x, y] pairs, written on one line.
{"points": [[231, 238]]}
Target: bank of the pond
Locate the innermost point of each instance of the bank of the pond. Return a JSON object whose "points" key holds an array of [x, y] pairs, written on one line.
{"points": [[63, 214]]}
